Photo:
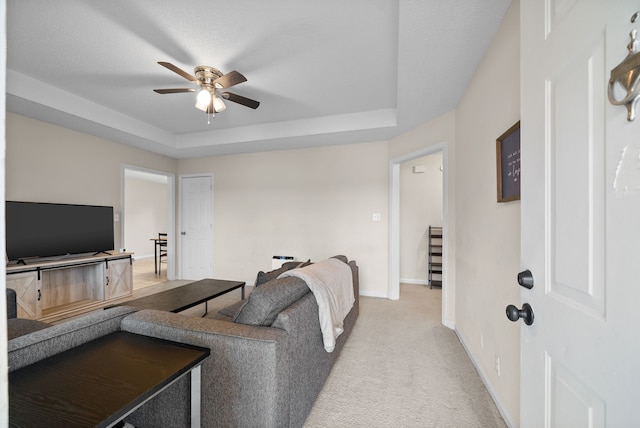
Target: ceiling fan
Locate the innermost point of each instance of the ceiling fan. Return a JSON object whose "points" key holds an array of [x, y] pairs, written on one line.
{"points": [[211, 81]]}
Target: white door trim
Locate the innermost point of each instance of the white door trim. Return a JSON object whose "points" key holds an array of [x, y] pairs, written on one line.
{"points": [[394, 221], [171, 220], [179, 222]]}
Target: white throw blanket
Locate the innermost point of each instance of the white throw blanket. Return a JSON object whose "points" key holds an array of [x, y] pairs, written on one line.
{"points": [[331, 282]]}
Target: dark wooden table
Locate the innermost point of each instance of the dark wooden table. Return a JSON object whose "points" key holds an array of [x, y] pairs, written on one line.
{"points": [[100, 382], [186, 296]]}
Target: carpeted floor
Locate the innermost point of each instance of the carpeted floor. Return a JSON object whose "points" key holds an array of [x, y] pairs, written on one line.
{"points": [[402, 368]]}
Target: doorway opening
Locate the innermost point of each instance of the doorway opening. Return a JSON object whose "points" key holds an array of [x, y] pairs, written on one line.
{"points": [[395, 219], [420, 212], [148, 200]]}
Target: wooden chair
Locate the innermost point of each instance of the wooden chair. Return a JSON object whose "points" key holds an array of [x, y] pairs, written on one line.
{"points": [[162, 249]]}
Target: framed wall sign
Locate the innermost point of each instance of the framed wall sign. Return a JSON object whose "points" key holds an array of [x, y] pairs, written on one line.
{"points": [[508, 164]]}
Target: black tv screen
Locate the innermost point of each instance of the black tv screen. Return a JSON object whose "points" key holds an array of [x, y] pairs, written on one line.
{"points": [[36, 229]]}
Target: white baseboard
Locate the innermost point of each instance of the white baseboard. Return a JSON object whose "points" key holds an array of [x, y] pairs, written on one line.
{"points": [[450, 324], [373, 294], [414, 281], [503, 412]]}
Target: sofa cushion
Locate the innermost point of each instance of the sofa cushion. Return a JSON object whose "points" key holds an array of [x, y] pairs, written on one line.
{"points": [[265, 302], [232, 310], [264, 277]]}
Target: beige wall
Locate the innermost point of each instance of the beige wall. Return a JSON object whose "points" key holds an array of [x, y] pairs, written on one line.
{"points": [[420, 207], [488, 233], [48, 163], [309, 203]]}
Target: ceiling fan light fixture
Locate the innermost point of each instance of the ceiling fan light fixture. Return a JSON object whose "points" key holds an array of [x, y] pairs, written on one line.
{"points": [[203, 100], [218, 104], [210, 80]]}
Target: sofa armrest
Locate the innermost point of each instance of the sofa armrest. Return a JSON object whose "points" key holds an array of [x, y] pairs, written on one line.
{"points": [[245, 380], [41, 344]]}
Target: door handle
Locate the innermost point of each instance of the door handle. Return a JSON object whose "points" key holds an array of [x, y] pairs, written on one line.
{"points": [[627, 75], [526, 313], [525, 279]]}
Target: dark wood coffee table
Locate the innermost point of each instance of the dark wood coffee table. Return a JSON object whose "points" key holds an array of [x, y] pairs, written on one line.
{"points": [[186, 296], [100, 382]]}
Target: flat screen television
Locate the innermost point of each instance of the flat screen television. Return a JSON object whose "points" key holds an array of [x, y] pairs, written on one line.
{"points": [[35, 229]]}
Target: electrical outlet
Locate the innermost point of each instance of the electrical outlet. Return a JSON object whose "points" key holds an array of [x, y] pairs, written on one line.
{"points": [[498, 364]]}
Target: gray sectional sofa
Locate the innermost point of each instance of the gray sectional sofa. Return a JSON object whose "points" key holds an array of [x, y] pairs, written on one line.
{"points": [[19, 326], [267, 363]]}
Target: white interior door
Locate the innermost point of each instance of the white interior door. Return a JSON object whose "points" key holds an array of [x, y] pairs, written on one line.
{"points": [[580, 223], [196, 229]]}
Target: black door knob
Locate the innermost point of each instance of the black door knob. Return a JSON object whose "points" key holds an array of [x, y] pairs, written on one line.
{"points": [[526, 313], [525, 279]]}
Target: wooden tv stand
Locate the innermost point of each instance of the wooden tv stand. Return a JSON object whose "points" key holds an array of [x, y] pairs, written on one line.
{"points": [[53, 289]]}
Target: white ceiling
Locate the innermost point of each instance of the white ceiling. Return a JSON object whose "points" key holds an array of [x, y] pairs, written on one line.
{"points": [[325, 72]]}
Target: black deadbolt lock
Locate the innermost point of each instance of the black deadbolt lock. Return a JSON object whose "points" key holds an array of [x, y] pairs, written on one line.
{"points": [[525, 279]]}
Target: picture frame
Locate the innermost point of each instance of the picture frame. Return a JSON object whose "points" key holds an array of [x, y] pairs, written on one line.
{"points": [[508, 164]]}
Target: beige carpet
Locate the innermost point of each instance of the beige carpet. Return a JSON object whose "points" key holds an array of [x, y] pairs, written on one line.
{"points": [[402, 368]]}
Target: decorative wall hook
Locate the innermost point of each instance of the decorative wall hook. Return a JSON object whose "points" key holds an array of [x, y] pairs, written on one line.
{"points": [[627, 75]]}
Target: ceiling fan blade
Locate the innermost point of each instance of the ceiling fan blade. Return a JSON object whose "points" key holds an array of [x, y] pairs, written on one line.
{"points": [[174, 91], [241, 100], [177, 70], [228, 80]]}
